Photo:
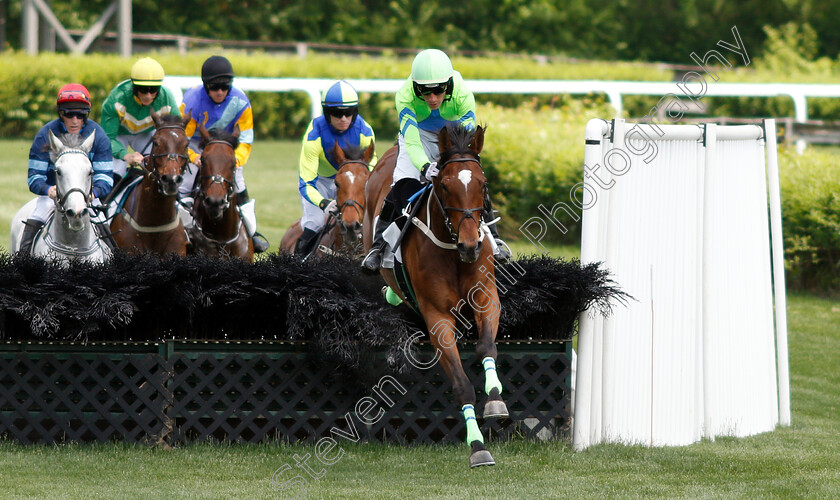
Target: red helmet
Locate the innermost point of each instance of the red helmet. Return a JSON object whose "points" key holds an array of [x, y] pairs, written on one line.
{"points": [[73, 96]]}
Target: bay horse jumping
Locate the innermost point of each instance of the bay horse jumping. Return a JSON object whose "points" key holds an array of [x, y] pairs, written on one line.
{"points": [[449, 269], [217, 227], [148, 220], [350, 180], [69, 233]]}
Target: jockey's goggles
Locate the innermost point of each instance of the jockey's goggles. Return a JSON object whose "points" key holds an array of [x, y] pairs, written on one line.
{"points": [[219, 86], [338, 112], [146, 89], [76, 113], [434, 88]]}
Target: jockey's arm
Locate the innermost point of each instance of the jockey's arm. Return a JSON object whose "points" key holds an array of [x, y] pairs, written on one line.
{"points": [[308, 169], [246, 136]]}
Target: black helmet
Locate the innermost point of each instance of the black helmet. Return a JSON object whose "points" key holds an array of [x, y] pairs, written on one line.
{"points": [[216, 69]]}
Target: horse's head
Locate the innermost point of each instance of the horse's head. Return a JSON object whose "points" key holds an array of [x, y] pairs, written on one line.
{"points": [[168, 159], [459, 188], [73, 176], [353, 173], [216, 176]]}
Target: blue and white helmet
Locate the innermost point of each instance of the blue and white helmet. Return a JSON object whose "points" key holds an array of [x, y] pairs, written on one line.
{"points": [[340, 97]]}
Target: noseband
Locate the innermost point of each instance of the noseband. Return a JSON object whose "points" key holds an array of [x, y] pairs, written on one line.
{"points": [[61, 198], [468, 212], [172, 156]]}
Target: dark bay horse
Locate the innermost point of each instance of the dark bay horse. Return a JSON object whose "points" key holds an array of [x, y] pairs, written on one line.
{"points": [[450, 270], [149, 221], [218, 230], [350, 180]]}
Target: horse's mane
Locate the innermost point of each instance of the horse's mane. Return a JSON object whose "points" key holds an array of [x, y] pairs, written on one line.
{"points": [[353, 152], [461, 138], [217, 134]]}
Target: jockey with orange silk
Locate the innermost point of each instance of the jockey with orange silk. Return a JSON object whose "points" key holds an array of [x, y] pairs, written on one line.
{"points": [[73, 107], [431, 98], [225, 107], [341, 123]]}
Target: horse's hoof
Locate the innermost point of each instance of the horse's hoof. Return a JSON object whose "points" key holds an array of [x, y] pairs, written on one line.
{"points": [[495, 409], [481, 457]]}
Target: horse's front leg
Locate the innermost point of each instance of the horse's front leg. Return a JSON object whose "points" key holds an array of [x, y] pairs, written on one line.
{"points": [[484, 299], [443, 333]]}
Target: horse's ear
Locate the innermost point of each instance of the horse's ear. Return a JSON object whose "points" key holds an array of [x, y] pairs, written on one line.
{"points": [[236, 131], [202, 129], [340, 157], [368, 154], [185, 120], [155, 117], [478, 140], [87, 145], [444, 141], [55, 143]]}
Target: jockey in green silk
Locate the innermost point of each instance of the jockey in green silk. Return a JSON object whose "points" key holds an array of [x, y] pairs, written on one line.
{"points": [[431, 98]]}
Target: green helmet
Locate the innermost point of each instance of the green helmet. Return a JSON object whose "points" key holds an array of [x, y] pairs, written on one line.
{"points": [[431, 66]]}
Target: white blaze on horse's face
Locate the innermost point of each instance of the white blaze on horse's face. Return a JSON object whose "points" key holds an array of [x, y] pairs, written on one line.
{"points": [[465, 176], [350, 177]]}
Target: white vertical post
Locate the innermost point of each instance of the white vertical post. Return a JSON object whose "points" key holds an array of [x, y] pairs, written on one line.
{"points": [[582, 426], [778, 253], [708, 362], [124, 27], [29, 31]]}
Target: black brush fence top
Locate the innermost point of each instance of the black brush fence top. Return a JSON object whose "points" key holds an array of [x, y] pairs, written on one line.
{"points": [[328, 302]]}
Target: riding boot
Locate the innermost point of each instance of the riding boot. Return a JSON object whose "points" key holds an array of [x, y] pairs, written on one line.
{"points": [[30, 230], [502, 253], [249, 218], [373, 260], [304, 242]]}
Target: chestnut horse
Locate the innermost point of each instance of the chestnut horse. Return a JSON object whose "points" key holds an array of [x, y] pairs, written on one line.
{"points": [[447, 268], [346, 231], [148, 220], [218, 230]]}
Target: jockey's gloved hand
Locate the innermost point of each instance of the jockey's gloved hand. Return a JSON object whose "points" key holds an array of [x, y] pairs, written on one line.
{"points": [[430, 170], [329, 206]]}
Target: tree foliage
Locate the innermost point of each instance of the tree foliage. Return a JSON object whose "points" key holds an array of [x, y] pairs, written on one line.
{"points": [[655, 30]]}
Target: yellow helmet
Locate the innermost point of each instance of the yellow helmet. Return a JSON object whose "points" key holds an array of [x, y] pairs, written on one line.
{"points": [[147, 71]]}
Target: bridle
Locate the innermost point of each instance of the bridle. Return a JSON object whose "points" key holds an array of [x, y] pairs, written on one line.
{"points": [[469, 213], [358, 207], [61, 198], [217, 179], [172, 156]]}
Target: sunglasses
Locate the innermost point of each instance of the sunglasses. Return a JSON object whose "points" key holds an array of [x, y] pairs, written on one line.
{"points": [[340, 112], [80, 115], [218, 86], [146, 89], [432, 89]]}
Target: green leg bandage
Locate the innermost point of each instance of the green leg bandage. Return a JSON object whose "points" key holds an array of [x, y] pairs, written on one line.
{"points": [[473, 432], [392, 298], [491, 378]]}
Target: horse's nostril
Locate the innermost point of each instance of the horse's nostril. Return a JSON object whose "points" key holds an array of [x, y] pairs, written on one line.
{"points": [[71, 213], [178, 179]]}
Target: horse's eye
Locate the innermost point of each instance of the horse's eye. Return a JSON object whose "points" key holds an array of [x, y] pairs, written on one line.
{"points": [[58, 173]]}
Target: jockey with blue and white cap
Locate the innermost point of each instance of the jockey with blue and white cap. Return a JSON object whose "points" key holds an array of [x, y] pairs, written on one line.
{"points": [[341, 123], [431, 98]]}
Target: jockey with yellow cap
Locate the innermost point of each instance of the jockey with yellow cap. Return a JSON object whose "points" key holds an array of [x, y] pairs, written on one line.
{"points": [[126, 114]]}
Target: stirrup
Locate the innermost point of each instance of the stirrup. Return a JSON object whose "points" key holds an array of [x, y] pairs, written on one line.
{"points": [[261, 244], [503, 253], [373, 260]]}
